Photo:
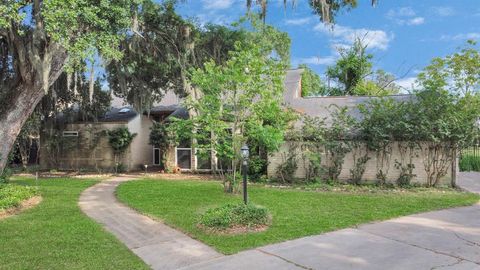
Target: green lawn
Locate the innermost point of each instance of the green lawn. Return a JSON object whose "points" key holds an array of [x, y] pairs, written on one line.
{"points": [[296, 213], [57, 235]]}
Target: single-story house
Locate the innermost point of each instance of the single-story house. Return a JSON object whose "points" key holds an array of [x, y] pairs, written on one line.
{"points": [[322, 107], [88, 152]]}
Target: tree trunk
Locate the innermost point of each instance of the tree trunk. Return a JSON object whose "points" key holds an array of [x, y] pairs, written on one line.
{"points": [[25, 97]]}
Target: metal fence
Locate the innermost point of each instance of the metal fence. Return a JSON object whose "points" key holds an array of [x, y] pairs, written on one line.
{"points": [[473, 150]]}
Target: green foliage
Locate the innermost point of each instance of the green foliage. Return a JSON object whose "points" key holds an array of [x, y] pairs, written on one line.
{"points": [[406, 173], [469, 163], [380, 83], [458, 73], [12, 195], [289, 164], [351, 68], [120, 139], [162, 137], [327, 10], [156, 57], [312, 84], [314, 139], [257, 167], [338, 142], [360, 159], [234, 215], [72, 99], [237, 102], [29, 134], [5, 175]]}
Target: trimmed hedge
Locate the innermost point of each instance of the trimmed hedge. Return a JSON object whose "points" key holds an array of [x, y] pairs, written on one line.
{"points": [[13, 195], [469, 163], [232, 215]]}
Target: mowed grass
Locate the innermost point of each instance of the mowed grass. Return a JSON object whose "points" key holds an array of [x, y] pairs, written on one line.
{"points": [[57, 235], [295, 213]]}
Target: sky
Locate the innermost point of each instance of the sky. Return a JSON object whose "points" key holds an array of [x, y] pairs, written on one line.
{"points": [[403, 35]]}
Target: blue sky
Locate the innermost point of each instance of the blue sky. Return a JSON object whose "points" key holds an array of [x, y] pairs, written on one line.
{"points": [[403, 35]]}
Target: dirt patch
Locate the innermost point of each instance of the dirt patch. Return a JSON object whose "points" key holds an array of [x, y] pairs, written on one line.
{"points": [[234, 230], [26, 204], [178, 176]]}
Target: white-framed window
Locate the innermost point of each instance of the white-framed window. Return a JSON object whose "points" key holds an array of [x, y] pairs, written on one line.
{"points": [[70, 134], [203, 160], [183, 155]]}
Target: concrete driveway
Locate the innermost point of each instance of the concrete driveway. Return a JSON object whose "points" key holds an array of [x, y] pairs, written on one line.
{"points": [[446, 239]]}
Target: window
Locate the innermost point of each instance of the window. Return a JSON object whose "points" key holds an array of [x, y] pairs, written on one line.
{"points": [[184, 158], [156, 156], [224, 164], [70, 134], [204, 160], [183, 155], [124, 110]]}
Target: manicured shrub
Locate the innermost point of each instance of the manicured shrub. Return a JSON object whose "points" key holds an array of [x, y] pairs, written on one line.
{"points": [[13, 195], [232, 215], [469, 163]]}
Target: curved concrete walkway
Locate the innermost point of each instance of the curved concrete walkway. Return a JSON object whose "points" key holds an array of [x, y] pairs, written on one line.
{"points": [[158, 245], [446, 239]]}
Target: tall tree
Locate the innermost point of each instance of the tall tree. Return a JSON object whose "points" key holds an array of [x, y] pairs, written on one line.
{"points": [[36, 40], [353, 66], [155, 59], [239, 100], [39, 38], [312, 84], [458, 73]]}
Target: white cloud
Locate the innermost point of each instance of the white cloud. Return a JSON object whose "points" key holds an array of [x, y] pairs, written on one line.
{"points": [[401, 12], [217, 4], [315, 60], [463, 36], [416, 21], [443, 11], [408, 83], [299, 21], [405, 16], [374, 39]]}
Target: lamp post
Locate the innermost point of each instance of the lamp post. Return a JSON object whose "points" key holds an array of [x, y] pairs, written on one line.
{"points": [[245, 153]]}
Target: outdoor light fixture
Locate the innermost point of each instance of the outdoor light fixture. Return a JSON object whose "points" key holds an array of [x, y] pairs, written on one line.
{"points": [[245, 153]]}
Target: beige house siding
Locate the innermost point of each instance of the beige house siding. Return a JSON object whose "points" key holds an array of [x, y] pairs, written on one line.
{"points": [[142, 151], [370, 170]]}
